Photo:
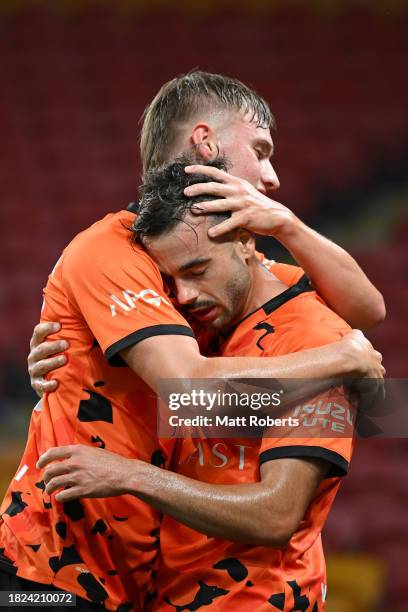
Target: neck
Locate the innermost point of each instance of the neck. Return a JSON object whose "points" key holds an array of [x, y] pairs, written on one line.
{"points": [[265, 286]]}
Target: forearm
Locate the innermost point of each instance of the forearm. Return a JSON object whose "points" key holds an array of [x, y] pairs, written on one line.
{"points": [[264, 513], [230, 512], [335, 275], [154, 365], [322, 362]]}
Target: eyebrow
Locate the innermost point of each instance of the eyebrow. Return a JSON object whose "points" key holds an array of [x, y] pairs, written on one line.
{"points": [[266, 145], [193, 263]]}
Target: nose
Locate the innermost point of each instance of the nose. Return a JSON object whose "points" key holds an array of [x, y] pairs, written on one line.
{"points": [[185, 292], [269, 177]]}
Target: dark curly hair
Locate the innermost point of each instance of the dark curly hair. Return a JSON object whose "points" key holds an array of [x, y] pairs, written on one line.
{"points": [[163, 203]]}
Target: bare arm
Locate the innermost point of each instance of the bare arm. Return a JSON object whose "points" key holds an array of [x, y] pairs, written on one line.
{"points": [[178, 357], [263, 513], [164, 357], [335, 274]]}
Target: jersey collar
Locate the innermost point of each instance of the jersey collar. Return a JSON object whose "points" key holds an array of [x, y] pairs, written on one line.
{"points": [[302, 286]]}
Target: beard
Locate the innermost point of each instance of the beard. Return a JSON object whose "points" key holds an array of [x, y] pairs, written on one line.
{"points": [[237, 290]]}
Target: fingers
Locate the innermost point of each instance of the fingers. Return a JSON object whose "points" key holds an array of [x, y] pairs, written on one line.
{"points": [[41, 386], [68, 494], [41, 331], [53, 454], [216, 173], [380, 366], [39, 369], [59, 482], [56, 469], [39, 365], [214, 206], [215, 189], [226, 226], [46, 349]]}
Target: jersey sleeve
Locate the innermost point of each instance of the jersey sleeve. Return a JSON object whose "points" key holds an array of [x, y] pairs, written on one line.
{"points": [[118, 290], [326, 422]]}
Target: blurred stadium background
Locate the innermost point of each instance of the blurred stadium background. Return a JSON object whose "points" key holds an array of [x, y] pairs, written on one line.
{"points": [[75, 78]]}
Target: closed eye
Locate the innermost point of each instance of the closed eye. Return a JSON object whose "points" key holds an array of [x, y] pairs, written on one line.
{"points": [[198, 272]]}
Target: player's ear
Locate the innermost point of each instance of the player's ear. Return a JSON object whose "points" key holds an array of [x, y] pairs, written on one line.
{"points": [[246, 243], [203, 140]]}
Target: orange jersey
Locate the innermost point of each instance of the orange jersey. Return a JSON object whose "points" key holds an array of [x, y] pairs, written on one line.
{"points": [[196, 570], [286, 273], [108, 295]]}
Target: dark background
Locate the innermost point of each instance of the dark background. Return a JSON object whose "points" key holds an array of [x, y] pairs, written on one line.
{"points": [[75, 77]]}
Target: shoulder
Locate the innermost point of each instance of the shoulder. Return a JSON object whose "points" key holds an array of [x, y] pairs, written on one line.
{"points": [[106, 246], [286, 273], [311, 323]]}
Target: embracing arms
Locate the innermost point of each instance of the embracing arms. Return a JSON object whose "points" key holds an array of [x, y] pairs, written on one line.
{"points": [[264, 513], [161, 357]]}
